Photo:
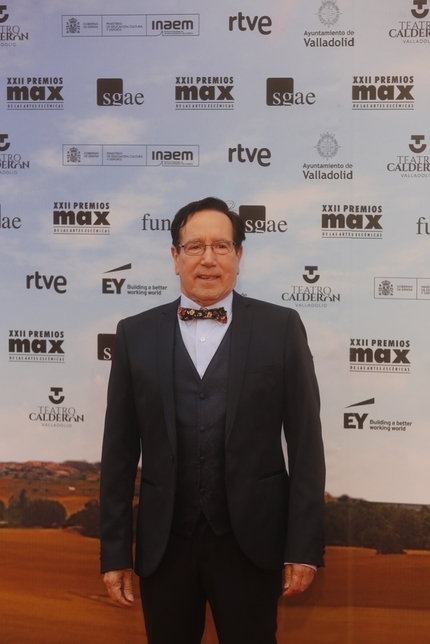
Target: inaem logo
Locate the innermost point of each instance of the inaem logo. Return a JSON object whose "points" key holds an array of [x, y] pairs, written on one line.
{"points": [[254, 218], [280, 93], [420, 11], [110, 92], [353, 420], [111, 285]]}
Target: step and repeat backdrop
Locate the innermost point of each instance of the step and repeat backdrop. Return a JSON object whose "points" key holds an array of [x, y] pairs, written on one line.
{"points": [[311, 119]]}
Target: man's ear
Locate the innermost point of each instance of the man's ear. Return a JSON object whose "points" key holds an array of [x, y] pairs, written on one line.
{"points": [[175, 254]]}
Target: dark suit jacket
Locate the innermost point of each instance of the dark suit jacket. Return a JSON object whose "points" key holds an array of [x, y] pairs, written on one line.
{"points": [[276, 516]]}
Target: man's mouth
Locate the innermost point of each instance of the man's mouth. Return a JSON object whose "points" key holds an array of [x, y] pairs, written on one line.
{"points": [[208, 277]]}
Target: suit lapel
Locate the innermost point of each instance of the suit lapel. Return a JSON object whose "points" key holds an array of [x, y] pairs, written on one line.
{"points": [[240, 336], [165, 352]]}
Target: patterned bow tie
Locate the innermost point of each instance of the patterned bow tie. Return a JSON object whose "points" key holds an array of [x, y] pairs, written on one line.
{"points": [[219, 315]]}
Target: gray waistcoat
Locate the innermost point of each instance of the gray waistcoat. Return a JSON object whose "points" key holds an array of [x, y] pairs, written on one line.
{"points": [[200, 424]]}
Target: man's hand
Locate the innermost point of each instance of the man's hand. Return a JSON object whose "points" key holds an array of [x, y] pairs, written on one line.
{"points": [[118, 583], [297, 578]]}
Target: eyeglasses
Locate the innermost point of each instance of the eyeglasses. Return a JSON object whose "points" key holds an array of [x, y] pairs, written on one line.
{"points": [[198, 248]]}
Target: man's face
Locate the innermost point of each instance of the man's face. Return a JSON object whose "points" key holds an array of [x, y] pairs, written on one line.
{"points": [[207, 278]]}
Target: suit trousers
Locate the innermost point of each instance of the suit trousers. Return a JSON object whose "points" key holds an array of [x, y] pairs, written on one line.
{"points": [[202, 568]]}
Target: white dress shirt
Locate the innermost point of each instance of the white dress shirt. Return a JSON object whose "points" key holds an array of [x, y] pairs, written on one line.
{"points": [[203, 337]]}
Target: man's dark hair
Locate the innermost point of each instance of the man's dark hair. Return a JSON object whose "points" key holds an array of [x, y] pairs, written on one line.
{"points": [[208, 203]]}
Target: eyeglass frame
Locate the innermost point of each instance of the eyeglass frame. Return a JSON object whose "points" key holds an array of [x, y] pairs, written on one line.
{"points": [[204, 246]]}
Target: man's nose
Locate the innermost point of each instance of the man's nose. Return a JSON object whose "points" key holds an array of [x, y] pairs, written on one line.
{"points": [[209, 255]]}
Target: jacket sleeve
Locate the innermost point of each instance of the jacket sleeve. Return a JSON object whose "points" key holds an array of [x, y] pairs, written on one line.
{"points": [[306, 466], [120, 457]]}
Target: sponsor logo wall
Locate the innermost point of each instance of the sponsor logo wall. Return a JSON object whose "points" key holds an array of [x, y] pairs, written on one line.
{"points": [[112, 120]]}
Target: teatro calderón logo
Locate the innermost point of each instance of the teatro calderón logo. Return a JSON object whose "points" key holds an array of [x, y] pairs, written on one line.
{"points": [[81, 218], [36, 345], [351, 221], [379, 355], [327, 148], [311, 293], [331, 34], [204, 92], [58, 413], [415, 163], [415, 30], [256, 221], [34, 93], [10, 32], [394, 92], [11, 161]]}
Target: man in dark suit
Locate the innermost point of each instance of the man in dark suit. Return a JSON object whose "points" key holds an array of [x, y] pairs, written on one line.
{"points": [[202, 394]]}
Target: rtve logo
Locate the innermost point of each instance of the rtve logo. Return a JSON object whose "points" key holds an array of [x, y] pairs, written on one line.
{"points": [[420, 12], [111, 285], [110, 92], [352, 420], [254, 218], [246, 154], [42, 281], [280, 93], [244, 23], [418, 146]]}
